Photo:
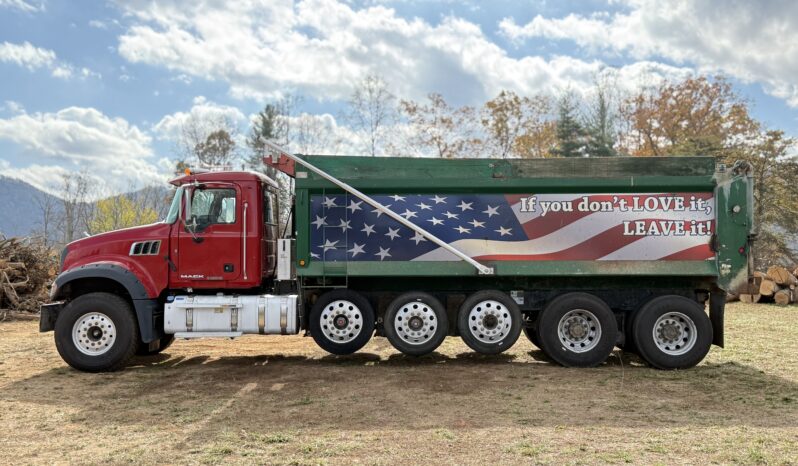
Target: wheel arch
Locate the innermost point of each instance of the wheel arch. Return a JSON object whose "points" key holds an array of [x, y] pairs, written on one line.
{"points": [[118, 280]]}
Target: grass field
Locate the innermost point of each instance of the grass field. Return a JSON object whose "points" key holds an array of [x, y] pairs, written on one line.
{"points": [[281, 400]]}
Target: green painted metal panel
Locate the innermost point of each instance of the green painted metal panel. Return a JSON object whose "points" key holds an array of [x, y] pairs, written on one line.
{"points": [[610, 175]]}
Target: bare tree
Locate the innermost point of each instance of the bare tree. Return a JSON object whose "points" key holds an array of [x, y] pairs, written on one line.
{"points": [[75, 206], [441, 129], [48, 208], [314, 134], [371, 109], [207, 139]]}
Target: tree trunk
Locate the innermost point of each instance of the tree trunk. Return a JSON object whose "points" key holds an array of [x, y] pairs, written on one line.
{"points": [[781, 276], [768, 287], [783, 297], [750, 298]]}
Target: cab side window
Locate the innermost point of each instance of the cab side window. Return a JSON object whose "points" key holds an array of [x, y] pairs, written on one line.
{"points": [[269, 205], [213, 206]]}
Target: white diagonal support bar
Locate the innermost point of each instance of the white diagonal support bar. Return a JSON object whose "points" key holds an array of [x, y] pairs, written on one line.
{"points": [[276, 151]]}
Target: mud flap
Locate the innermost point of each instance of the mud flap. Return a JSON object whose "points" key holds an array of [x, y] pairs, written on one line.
{"points": [[717, 306], [48, 313]]}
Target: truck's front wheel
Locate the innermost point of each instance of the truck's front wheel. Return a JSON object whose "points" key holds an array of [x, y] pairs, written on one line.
{"points": [[96, 332], [341, 321]]}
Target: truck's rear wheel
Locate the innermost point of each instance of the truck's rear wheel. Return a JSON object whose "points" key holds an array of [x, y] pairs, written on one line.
{"points": [[489, 322], [415, 323], [577, 330], [97, 332], [672, 332], [341, 321]]}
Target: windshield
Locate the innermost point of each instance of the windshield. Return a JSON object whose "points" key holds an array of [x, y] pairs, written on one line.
{"points": [[175, 207]]}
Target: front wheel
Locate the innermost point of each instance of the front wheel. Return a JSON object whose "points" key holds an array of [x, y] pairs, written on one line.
{"points": [[97, 332], [341, 321], [672, 332]]}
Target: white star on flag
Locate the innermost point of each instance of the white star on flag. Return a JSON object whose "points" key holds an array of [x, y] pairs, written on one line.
{"points": [[383, 253], [477, 224], [435, 221], [450, 215], [504, 231], [379, 212], [354, 206], [368, 229], [356, 249], [314, 255], [398, 198], [439, 200], [423, 206], [418, 238], [344, 225], [328, 245], [491, 211], [408, 214], [463, 230], [393, 233], [320, 222], [329, 202], [465, 206]]}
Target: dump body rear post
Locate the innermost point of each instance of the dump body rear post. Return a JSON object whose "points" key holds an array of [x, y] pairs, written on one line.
{"points": [[580, 256]]}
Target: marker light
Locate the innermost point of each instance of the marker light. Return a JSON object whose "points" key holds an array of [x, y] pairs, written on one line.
{"points": [[188, 171], [302, 262]]}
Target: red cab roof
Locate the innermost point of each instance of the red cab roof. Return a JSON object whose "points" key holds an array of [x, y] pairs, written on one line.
{"points": [[223, 176]]}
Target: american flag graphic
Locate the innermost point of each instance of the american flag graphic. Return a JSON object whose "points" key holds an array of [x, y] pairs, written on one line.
{"points": [[515, 227]]}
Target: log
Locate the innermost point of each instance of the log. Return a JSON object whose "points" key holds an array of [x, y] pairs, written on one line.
{"points": [[759, 274], [783, 297], [768, 287], [750, 298], [781, 276], [730, 297]]}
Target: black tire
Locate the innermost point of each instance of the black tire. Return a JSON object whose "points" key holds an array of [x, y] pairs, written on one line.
{"points": [[491, 333], [579, 350], [424, 310], [115, 342], [165, 342], [628, 345], [360, 319], [672, 355]]}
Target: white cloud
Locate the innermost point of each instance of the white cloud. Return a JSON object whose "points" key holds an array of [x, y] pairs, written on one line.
{"points": [[170, 126], [752, 41], [22, 5], [114, 152], [28, 56], [321, 48]]}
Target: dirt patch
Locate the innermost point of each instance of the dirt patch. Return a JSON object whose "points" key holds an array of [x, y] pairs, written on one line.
{"points": [[282, 400]]}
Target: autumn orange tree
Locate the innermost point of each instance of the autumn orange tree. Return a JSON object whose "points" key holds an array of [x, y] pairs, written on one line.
{"points": [[516, 126], [441, 129]]}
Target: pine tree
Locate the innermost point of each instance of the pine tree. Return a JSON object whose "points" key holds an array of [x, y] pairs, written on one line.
{"points": [[600, 140], [570, 133]]}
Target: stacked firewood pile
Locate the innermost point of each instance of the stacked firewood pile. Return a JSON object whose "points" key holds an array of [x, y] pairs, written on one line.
{"points": [[27, 269], [779, 285]]}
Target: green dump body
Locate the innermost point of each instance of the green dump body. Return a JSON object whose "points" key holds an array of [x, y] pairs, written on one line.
{"points": [[685, 220]]}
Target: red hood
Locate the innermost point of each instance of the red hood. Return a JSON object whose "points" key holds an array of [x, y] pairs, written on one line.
{"points": [[113, 246]]}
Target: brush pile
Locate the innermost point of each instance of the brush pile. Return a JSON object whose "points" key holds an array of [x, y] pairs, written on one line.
{"points": [[779, 285], [27, 268]]}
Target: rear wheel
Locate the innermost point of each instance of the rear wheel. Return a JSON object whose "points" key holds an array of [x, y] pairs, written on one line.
{"points": [[577, 330], [97, 332], [489, 322], [672, 332], [415, 323], [341, 321]]}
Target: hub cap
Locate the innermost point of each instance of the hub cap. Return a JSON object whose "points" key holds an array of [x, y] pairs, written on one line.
{"points": [[415, 323], [675, 333], [489, 321], [94, 334], [579, 330], [341, 321]]}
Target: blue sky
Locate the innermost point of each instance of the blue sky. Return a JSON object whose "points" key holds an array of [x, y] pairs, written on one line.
{"points": [[104, 86]]}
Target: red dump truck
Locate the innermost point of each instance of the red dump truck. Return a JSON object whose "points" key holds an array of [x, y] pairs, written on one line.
{"points": [[579, 255]]}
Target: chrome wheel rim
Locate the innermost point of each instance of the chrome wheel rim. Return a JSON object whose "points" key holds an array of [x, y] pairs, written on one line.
{"points": [[94, 334], [490, 321], [675, 333], [579, 330], [415, 323], [341, 321]]}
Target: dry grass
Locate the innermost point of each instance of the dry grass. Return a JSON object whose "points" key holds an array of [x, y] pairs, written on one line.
{"points": [[281, 400]]}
